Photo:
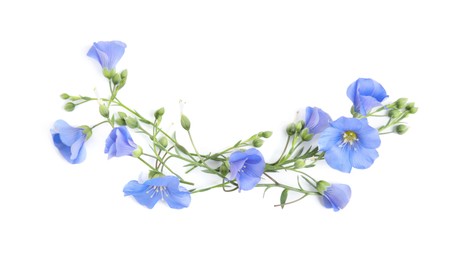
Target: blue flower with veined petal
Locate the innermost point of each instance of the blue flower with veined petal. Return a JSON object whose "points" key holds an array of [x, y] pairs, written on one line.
{"points": [[70, 141], [119, 143], [366, 94], [335, 196], [349, 142], [316, 120], [247, 168], [151, 191], [107, 53]]}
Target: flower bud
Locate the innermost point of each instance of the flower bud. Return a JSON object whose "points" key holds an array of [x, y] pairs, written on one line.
{"points": [[154, 174], [291, 129], [410, 106], [401, 103], [104, 111], [265, 134], [75, 98], [64, 96], [159, 113], [122, 115], [109, 73], [257, 142], [120, 121], [124, 74], [413, 110], [223, 169], [69, 106], [394, 113], [116, 79], [131, 122], [401, 129], [163, 141], [137, 152], [305, 135], [185, 122], [299, 126], [121, 84], [299, 163]]}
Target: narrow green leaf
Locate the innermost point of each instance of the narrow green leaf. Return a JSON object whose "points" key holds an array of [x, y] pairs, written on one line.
{"points": [[283, 197]]}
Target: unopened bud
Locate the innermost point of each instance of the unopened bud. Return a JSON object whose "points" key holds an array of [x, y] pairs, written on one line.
{"points": [[131, 122], [265, 134], [224, 169], [163, 141], [104, 111], [109, 74], [299, 163], [299, 126], [116, 79], [137, 152], [401, 102], [185, 122], [394, 113], [69, 106], [413, 110], [120, 121], [305, 135], [257, 142], [64, 96], [291, 129], [401, 129], [159, 113], [124, 74], [410, 106], [87, 131], [322, 186]]}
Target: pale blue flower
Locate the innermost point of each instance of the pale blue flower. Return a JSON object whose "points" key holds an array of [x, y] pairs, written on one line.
{"points": [[119, 143], [335, 196], [349, 142], [151, 191], [107, 53], [247, 168], [69, 141], [316, 120], [366, 94]]}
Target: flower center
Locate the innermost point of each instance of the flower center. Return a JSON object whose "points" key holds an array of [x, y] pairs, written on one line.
{"points": [[349, 137]]}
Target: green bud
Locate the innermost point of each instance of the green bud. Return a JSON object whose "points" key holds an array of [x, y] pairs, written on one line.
{"points": [[394, 113], [159, 113], [75, 98], [120, 121], [401, 129], [124, 74], [223, 169], [122, 115], [69, 106], [116, 79], [413, 110], [64, 96], [87, 131], [131, 122], [257, 142], [305, 135], [163, 141], [121, 84], [291, 129], [410, 106], [299, 126], [322, 186], [265, 134], [104, 111], [137, 152], [299, 163], [401, 103], [185, 122]]}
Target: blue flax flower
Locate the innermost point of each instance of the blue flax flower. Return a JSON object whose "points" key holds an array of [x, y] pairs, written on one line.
{"points": [[119, 143], [151, 191], [366, 94], [349, 142], [69, 141], [335, 196], [316, 120], [107, 54], [247, 168]]}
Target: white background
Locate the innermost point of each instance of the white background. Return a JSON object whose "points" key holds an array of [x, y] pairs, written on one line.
{"points": [[242, 67]]}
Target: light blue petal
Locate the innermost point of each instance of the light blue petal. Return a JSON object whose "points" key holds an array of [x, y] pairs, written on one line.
{"points": [[62, 148], [134, 187], [363, 158], [247, 181], [330, 137], [347, 124], [68, 134], [114, 50], [327, 203], [177, 199], [339, 158], [338, 195], [352, 91], [148, 199], [367, 103], [123, 145], [164, 181], [323, 121], [370, 87], [368, 137]]}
